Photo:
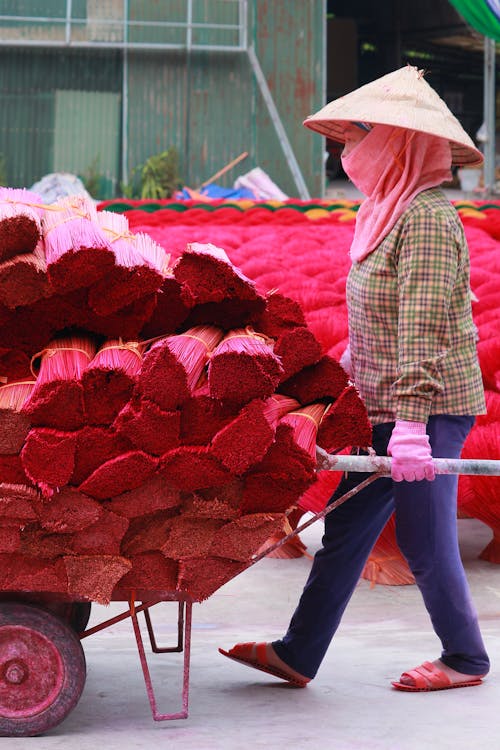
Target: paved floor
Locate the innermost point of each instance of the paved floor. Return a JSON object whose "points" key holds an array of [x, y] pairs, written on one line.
{"points": [[350, 705]]}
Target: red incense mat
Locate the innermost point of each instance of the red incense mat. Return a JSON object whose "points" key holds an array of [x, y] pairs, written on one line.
{"points": [[23, 278], [104, 537], [77, 252], [14, 364], [482, 498], [140, 266], [109, 379], [57, 397], [20, 221], [243, 367], [14, 426], [148, 427], [489, 359]]}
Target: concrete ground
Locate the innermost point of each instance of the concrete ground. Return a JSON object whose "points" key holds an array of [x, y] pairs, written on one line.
{"points": [[349, 706]]}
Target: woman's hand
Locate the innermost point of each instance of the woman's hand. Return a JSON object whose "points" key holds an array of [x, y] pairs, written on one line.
{"points": [[411, 452]]}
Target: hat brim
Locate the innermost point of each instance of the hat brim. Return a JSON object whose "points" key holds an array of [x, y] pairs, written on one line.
{"points": [[461, 154]]}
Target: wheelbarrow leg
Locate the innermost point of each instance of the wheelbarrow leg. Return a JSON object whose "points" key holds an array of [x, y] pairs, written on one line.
{"points": [[147, 676], [180, 633]]}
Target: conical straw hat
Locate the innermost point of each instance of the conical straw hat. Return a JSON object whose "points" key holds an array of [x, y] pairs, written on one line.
{"points": [[402, 99]]}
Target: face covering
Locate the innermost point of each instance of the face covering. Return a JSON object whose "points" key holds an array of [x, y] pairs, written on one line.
{"points": [[391, 166]]}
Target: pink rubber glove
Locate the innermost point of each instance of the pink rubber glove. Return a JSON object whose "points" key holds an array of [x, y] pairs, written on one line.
{"points": [[411, 452]]}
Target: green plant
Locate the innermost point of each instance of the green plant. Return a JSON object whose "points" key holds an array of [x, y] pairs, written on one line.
{"points": [[159, 175], [92, 178]]}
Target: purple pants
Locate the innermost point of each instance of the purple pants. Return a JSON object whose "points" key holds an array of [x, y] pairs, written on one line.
{"points": [[426, 529]]}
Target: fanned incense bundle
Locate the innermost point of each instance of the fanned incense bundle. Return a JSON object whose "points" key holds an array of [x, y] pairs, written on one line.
{"points": [[148, 427], [23, 278], [17, 503], [94, 576], [325, 379], [48, 457], [14, 426], [57, 398], [345, 423], [151, 571], [14, 364], [19, 572], [119, 474], [243, 367], [191, 537], [140, 266], [172, 366], [239, 539], [109, 379], [192, 348], [154, 495], [281, 314], [77, 252], [245, 440], [489, 358], [95, 446], [304, 423], [147, 533], [203, 416], [202, 576], [12, 470], [215, 289], [170, 312], [386, 564], [103, 537], [67, 511], [191, 468], [277, 405], [20, 221], [297, 348]]}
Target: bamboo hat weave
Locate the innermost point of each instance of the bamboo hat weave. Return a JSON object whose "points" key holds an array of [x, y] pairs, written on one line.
{"points": [[402, 99]]}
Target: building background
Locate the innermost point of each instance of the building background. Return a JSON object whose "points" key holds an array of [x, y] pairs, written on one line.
{"points": [[96, 87]]}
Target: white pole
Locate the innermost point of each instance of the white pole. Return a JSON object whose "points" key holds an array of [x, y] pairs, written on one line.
{"points": [[489, 105]]}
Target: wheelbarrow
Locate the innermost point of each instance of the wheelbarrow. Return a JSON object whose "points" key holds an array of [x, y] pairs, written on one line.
{"points": [[42, 662]]}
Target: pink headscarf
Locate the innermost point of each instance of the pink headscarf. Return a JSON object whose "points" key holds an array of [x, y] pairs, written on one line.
{"points": [[391, 166]]}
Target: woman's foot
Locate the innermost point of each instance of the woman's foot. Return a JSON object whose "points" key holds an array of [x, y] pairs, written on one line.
{"points": [[435, 676], [263, 656]]}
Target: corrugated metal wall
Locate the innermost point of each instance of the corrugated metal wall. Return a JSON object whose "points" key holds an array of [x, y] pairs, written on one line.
{"points": [[207, 104]]}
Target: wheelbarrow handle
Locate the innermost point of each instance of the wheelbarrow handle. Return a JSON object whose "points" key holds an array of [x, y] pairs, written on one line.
{"points": [[382, 464]]}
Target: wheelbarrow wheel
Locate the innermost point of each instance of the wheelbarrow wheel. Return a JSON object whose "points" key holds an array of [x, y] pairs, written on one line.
{"points": [[42, 670]]}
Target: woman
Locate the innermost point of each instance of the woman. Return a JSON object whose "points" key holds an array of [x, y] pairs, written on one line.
{"points": [[413, 354]]}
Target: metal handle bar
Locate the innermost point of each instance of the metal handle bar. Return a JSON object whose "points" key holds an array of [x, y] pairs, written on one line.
{"points": [[382, 464]]}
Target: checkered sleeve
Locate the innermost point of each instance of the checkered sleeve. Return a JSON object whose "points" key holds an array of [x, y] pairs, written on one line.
{"points": [[427, 259]]}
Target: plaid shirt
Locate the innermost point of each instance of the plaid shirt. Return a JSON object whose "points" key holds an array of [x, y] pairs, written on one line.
{"points": [[412, 338]]}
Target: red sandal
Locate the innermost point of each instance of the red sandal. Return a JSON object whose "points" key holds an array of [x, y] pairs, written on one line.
{"points": [[429, 677], [243, 653]]}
